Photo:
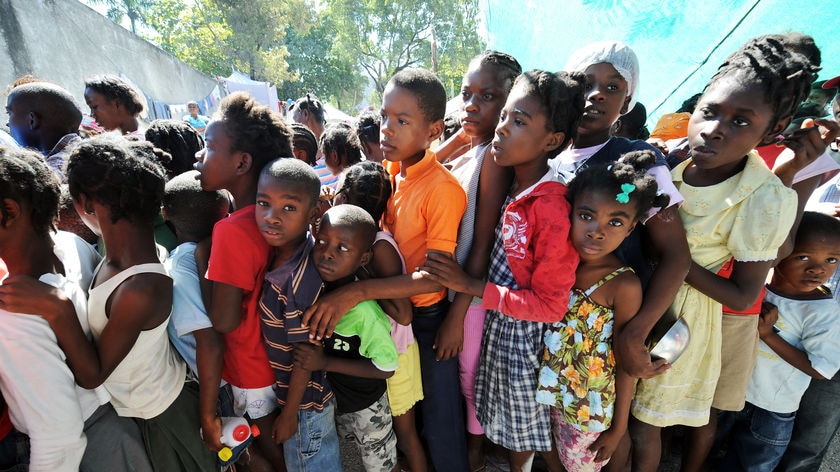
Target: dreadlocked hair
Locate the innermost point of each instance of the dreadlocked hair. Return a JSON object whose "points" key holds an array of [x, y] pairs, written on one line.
{"points": [[782, 66], [127, 177], [26, 179], [631, 168], [561, 95], [367, 185], [255, 129], [507, 65]]}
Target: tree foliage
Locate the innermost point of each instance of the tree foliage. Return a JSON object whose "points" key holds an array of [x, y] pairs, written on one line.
{"points": [[386, 36], [332, 48]]}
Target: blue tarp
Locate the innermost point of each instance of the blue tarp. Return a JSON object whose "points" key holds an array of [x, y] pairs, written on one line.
{"points": [[680, 43]]}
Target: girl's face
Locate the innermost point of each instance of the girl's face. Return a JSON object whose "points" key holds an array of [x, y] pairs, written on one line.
{"points": [[600, 223], [84, 207], [730, 120], [218, 161], [484, 94], [606, 99], [522, 135], [108, 113]]}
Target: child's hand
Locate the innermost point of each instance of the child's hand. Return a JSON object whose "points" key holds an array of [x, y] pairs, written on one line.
{"points": [[767, 319], [450, 338], [807, 143], [285, 426], [606, 444], [443, 269], [211, 432], [310, 357], [27, 295], [327, 311]]}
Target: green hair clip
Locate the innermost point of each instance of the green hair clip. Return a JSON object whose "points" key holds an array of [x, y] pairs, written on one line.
{"points": [[624, 196]]}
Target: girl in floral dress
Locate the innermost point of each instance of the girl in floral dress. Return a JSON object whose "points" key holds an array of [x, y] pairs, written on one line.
{"points": [[589, 397]]}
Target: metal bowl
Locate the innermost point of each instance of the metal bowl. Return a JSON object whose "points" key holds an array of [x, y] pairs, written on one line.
{"points": [[672, 344]]}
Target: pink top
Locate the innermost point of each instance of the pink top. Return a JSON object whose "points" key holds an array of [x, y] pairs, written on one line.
{"points": [[402, 335]]}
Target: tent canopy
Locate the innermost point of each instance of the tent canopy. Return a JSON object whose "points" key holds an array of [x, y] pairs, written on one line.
{"points": [[680, 43]]}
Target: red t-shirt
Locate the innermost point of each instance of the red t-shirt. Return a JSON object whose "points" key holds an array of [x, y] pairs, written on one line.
{"points": [[238, 257]]}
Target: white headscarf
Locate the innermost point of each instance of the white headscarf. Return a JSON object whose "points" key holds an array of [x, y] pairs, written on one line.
{"points": [[617, 54]]}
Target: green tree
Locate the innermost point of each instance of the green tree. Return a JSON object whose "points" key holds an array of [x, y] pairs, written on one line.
{"points": [[386, 36], [320, 68], [132, 9]]}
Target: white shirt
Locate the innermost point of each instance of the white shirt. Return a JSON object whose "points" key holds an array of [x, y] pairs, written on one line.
{"points": [[38, 386], [812, 326]]}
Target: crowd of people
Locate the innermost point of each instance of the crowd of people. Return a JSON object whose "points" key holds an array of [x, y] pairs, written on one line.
{"points": [[427, 289]]}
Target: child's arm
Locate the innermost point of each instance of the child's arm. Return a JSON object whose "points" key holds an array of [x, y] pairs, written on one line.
{"points": [[788, 353], [286, 423], [209, 353], [552, 277], [311, 357], [387, 263], [739, 291], [456, 145], [627, 298], [131, 311], [493, 184], [668, 237], [226, 308], [327, 311]]}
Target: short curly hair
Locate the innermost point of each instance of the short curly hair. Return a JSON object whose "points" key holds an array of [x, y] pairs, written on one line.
{"points": [[126, 176], [255, 129], [114, 88], [426, 88], [26, 179]]}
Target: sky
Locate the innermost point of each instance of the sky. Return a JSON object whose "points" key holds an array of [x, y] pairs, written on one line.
{"points": [[680, 43]]}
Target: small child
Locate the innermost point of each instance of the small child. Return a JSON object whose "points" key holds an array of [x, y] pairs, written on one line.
{"points": [[367, 130], [192, 212], [360, 354], [589, 396], [287, 204], [340, 147], [242, 139], [531, 266], [304, 144], [800, 340], [368, 186]]}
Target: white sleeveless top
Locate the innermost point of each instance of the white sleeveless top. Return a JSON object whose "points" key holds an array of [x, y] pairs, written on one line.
{"points": [[152, 375]]}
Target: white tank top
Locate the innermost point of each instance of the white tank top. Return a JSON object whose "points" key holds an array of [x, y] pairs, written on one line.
{"points": [[152, 375]]}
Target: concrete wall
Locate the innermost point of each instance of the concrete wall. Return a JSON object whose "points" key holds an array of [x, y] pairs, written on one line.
{"points": [[65, 41]]}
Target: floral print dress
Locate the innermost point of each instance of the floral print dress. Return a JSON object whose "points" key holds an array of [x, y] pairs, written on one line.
{"points": [[577, 376]]}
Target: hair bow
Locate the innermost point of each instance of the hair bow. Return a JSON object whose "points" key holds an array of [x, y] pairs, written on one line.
{"points": [[624, 196]]}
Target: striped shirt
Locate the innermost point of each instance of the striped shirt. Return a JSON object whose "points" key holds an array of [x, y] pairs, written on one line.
{"points": [[288, 290]]}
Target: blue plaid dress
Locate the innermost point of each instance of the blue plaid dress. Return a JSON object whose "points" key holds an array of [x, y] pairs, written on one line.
{"points": [[506, 382]]}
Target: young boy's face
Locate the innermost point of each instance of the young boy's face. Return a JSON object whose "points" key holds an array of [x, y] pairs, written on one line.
{"points": [[405, 132], [606, 98], [284, 212], [339, 251], [218, 161], [811, 264]]}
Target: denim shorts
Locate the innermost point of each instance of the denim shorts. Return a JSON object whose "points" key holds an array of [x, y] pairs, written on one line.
{"points": [[759, 439], [314, 446]]}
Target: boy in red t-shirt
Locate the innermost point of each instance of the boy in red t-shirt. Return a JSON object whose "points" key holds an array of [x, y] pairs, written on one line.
{"points": [[242, 138]]}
